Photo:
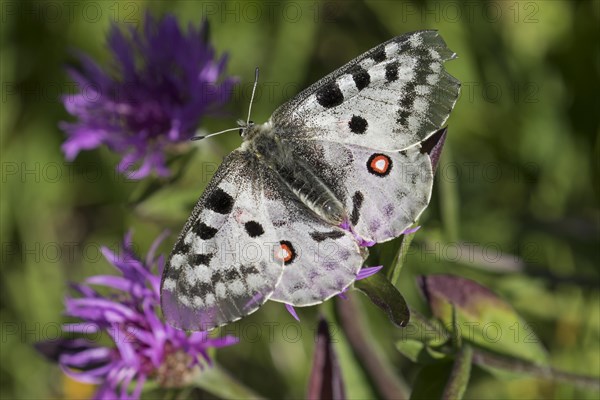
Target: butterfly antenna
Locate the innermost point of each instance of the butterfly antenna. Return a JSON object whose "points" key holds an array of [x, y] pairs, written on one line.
{"points": [[199, 137], [252, 98]]}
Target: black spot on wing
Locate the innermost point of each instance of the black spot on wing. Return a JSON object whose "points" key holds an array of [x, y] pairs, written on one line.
{"points": [[254, 229], [279, 223], [423, 66], [422, 69], [391, 72], [216, 277], [379, 54], [199, 259], [249, 269], [408, 96], [204, 231], [357, 201], [183, 288], [321, 236], [403, 47], [181, 247], [358, 124], [360, 76], [200, 289], [219, 201], [403, 117], [330, 95], [231, 275]]}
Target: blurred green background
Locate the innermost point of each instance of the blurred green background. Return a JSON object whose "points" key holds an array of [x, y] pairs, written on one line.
{"points": [[515, 204]]}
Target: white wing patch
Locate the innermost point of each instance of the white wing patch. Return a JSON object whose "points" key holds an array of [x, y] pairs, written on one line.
{"points": [[399, 89]]}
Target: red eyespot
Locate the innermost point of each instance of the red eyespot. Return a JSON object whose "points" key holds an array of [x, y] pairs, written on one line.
{"points": [[379, 164], [285, 252]]}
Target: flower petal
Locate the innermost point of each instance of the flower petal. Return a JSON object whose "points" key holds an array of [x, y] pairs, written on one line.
{"points": [[292, 311], [367, 272], [86, 358], [409, 231]]}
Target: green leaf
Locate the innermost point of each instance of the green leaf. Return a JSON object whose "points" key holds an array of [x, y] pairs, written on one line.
{"points": [[482, 317], [431, 381], [385, 254], [394, 273], [459, 377], [420, 352], [423, 330], [385, 296]]}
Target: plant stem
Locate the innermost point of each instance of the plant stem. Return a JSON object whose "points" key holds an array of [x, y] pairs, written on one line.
{"points": [[374, 362], [459, 377], [481, 357]]}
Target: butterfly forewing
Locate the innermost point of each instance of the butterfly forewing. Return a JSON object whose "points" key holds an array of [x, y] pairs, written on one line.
{"points": [[390, 98], [223, 265]]}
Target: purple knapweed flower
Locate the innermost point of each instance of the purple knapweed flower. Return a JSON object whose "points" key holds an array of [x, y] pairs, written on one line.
{"points": [[162, 82], [143, 346]]}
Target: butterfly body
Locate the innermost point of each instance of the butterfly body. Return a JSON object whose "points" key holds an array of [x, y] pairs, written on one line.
{"points": [[266, 145], [288, 215]]}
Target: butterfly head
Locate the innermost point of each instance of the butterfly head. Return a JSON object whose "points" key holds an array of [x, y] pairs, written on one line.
{"points": [[245, 127], [250, 131]]}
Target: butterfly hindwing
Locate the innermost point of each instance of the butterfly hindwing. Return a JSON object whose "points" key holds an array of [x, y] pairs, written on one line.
{"points": [[323, 258], [222, 266], [383, 192], [390, 98], [320, 259]]}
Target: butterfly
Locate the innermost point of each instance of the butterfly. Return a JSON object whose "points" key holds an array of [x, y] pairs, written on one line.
{"points": [[288, 216]]}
